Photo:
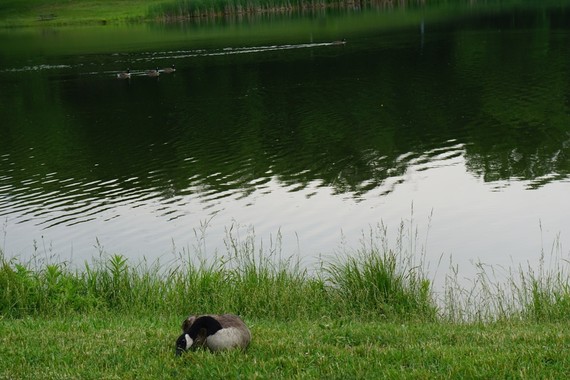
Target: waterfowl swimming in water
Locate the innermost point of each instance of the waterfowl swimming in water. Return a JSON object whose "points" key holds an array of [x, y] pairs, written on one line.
{"points": [[124, 74], [169, 70], [215, 332], [339, 42], [153, 73]]}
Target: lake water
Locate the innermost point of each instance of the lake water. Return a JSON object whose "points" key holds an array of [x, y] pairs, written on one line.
{"points": [[268, 125]]}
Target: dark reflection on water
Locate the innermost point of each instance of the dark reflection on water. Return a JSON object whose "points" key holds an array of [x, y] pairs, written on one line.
{"points": [[489, 91]]}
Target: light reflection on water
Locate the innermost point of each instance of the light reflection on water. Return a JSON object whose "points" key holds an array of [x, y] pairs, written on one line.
{"points": [[172, 55], [314, 140], [472, 222]]}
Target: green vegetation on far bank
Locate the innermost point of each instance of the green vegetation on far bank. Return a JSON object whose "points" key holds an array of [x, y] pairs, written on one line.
{"points": [[17, 13], [63, 12]]}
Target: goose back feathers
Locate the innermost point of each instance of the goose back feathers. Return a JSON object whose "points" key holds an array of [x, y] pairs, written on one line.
{"points": [[169, 70], [153, 73], [215, 332]]}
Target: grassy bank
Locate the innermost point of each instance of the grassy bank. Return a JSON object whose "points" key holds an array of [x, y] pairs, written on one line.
{"points": [[113, 345], [371, 312], [64, 12]]}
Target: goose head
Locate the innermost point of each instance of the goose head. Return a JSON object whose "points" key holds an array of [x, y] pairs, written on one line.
{"points": [[183, 343]]}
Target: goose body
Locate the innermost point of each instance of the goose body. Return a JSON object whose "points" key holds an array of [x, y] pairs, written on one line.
{"points": [[214, 331], [169, 70], [124, 74], [153, 73]]}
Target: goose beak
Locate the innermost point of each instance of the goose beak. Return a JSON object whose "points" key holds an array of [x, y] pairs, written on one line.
{"points": [[179, 351]]}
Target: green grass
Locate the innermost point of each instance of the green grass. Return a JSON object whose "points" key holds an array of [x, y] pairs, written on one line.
{"points": [[248, 280], [114, 345], [368, 313], [254, 281], [537, 293], [72, 12], [381, 279]]}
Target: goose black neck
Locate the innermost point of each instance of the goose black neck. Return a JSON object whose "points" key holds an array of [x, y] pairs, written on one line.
{"points": [[210, 324]]}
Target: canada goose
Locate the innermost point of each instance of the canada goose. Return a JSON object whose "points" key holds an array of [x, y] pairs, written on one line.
{"points": [[215, 332], [124, 74], [339, 42], [153, 73], [169, 70]]}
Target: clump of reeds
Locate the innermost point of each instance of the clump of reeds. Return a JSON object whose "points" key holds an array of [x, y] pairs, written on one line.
{"points": [[543, 291], [537, 293], [381, 279], [249, 279]]}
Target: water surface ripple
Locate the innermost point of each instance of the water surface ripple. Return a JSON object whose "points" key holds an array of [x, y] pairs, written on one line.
{"points": [[317, 139]]}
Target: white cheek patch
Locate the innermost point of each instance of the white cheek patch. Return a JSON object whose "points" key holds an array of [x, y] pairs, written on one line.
{"points": [[189, 341]]}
